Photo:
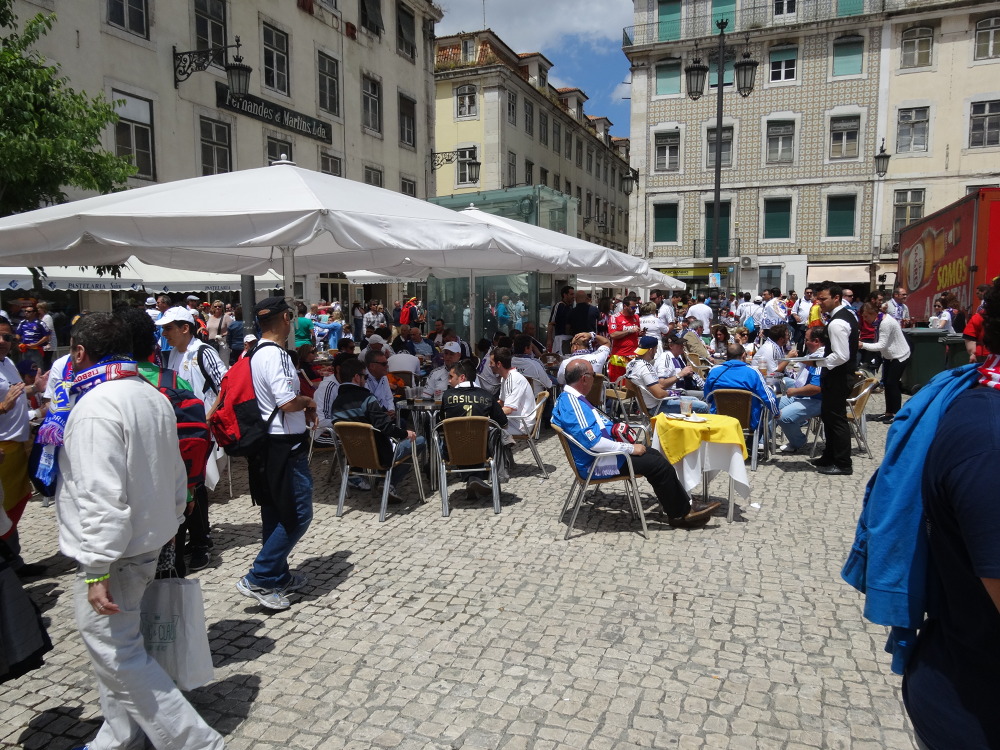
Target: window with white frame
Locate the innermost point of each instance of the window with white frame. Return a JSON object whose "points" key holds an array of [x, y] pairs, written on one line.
{"points": [[216, 146], [848, 56], [988, 38], [130, 15], [407, 121], [780, 142], [468, 50], [784, 62], [511, 168], [844, 133], [210, 27], [330, 164], [465, 101], [840, 215], [277, 149], [984, 124], [667, 150], [907, 207], [408, 187], [543, 128], [777, 218], [406, 32], [916, 47], [727, 147], [373, 176], [465, 156], [275, 59], [784, 8], [371, 15], [328, 73], [512, 108], [371, 104], [134, 133], [529, 117], [912, 126]]}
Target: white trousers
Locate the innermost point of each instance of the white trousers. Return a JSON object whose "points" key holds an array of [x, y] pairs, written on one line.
{"points": [[138, 698]]}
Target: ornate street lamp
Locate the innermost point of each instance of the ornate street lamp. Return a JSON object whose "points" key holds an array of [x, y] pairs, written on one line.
{"points": [[629, 180], [882, 161], [237, 73], [440, 158]]}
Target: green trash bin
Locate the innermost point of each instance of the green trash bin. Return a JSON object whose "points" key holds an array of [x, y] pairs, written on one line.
{"points": [[927, 357], [955, 354]]}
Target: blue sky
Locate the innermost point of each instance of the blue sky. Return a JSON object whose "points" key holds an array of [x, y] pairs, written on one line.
{"points": [[582, 39]]}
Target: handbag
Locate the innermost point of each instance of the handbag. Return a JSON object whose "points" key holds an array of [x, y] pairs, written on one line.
{"points": [[622, 432], [172, 620]]}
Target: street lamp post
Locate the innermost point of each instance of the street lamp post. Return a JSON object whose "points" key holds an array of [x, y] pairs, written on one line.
{"points": [[744, 72]]}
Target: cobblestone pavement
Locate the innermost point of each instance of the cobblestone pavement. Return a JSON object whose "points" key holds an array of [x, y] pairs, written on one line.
{"points": [[486, 631]]}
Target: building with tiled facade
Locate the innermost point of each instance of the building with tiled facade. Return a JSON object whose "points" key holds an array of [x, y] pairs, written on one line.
{"points": [[798, 173], [497, 107]]}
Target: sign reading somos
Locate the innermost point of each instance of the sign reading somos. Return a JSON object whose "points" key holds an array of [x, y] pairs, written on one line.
{"points": [[273, 114]]}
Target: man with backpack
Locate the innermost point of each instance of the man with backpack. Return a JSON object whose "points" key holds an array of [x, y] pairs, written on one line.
{"points": [[200, 365]]}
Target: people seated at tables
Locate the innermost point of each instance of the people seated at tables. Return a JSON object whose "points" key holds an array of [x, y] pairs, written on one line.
{"points": [[528, 365], [326, 391], [735, 373], [436, 337], [771, 353], [403, 361], [418, 345], [355, 403], [450, 335], [641, 373], [402, 339], [485, 377], [676, 374], [720, 340], [376, 343], [575, 415], [742, 336], [464, 399], [377, 365], [803, 400], [515, 393], [589, 346], [437, 381], [531, 331], [693, 344]]}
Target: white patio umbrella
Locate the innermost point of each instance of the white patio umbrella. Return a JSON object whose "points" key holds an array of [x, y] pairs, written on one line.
{"points": [[652, 279]]}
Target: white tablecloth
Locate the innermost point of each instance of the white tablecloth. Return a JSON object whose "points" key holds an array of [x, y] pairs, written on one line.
{"points": [[711, 458]]}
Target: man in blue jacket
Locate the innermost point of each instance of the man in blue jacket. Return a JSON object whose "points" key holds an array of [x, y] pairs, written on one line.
{"points": [[735, 373], [575, 415]]}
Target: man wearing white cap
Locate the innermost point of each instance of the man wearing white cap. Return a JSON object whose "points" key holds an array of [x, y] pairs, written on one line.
{"points": [[151, 310], [249, 342], [437, 381], [375, 343]]}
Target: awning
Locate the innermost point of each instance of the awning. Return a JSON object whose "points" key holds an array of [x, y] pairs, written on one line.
{"points": [[160, 280], [369, 277], [70, 278], [853, 273]]}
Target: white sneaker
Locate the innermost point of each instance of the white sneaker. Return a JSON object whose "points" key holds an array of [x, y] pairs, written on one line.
{"points": [[359, 483]]}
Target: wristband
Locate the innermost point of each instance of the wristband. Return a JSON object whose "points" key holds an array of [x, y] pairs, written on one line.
{"points": [[104, 577]]}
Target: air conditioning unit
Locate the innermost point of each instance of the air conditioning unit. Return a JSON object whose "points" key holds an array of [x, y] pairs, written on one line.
{"points": [[748, 262]]}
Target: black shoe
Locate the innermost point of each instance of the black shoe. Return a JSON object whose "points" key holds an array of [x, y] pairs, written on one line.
{"points": [[835, 470], [818, 462], [32, 570], [199, 560], [699, 515]]}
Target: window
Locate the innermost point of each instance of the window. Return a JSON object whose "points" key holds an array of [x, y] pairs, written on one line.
{"points": [[465, 155], [371, 15], [588, 205], [512, 108], [543, 176], [988, 38], [916, 47], [406, 32], [590, 161], [330, 164], [543, 128], [373, 176], [907, 207], [216, 156], [465, 101], [665, 222], [408, 187], [984, 126], [850, 7], [557, 182], [134, 133], [275, 59], [569, 144], [667, 147], [569, 188], [668, 78], [371, 104], [277, 149], [614, 177], [407, 121], [468, 50], [605, 173], [780, 142], [777, 218], [579, 153], [529, 172], [130, 15], [328, 71], [727, 147], [840, 215], [844, 137], [911, 130], [784, 8], [543, 78], [848, 54], [727, 74], [511, 168], [556, 137], [210, 26], [783, 62], [724, 10], [668, 19], [529, 117]]}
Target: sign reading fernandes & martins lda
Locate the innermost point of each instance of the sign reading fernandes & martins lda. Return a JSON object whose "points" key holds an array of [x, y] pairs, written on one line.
{"points": [[273, 114]]}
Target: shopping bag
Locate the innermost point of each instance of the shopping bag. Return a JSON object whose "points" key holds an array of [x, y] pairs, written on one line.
{"points": [[172, 619]]}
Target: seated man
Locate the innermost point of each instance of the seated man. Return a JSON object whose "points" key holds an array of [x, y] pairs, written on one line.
{"points": [[515, 393], [589, 346], [403, 361], [377, 381], [418, 345], [804, 399], [437, 381], [771, 353], [402, 339], [735, 373], [576, 417], [528, 365], [355, 403], [464, 399], [674, 372], [640, 371]]}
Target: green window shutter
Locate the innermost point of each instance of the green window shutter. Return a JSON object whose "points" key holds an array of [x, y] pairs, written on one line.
{"points": [[779, 55], [840, 215], [850, 7], [669, 20], [665, 222], [778, 219], [847, 58], [724, 9], [668, 78], [727, 74]]}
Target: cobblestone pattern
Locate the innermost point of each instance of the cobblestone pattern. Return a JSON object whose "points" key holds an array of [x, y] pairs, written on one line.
{"points": [[484, 631]]}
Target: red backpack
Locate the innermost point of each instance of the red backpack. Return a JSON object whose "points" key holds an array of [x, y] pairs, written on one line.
{"points": [[405, 315], [192, 428], [235, 419]]}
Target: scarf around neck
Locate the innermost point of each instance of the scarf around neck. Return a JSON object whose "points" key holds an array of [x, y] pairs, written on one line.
{"points": [[67, 393], [990, 372]]}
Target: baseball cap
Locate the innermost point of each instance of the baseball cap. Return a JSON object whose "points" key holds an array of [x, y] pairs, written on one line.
{"points": [[758, 299], [673, 339], [176, 315], [248, 338], [450, 346], [150, 301], [269, 307], [376, 339], [645, 344], [192, 298]]}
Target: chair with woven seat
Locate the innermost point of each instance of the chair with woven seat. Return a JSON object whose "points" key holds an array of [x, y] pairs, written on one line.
{"points": [[582, 483], [856, 404], [738, 403], [324, 440], [357, 439], [596, 394], [466, 443], [617, 396], [405, 375], [531, 437]]}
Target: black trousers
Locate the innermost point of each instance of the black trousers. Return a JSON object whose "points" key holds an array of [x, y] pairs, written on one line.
{"points": [[892, 374], [196, 525], [833, 412], [666, 486]]}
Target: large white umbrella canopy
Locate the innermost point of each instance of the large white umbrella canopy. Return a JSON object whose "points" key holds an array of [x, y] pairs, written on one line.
{"points": [[652, 279]]}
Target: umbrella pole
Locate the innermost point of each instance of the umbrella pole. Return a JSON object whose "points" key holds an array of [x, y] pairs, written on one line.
{"points": [[472, 311], [288, 272]]}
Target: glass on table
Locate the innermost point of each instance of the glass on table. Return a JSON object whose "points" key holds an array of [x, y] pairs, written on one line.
{"points": [[687, 406]]}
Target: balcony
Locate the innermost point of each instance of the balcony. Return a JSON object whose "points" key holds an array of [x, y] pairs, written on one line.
{"points": [[885, 246], [727, 248], [751, 17]]}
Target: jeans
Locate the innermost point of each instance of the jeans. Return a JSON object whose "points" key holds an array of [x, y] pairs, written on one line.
{"points": [[795, 415], [673, 406], [270, 568], [403, 448]]}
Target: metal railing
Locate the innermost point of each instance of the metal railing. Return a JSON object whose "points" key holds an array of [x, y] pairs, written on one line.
{"points": [[885, 244], [728, 248]]}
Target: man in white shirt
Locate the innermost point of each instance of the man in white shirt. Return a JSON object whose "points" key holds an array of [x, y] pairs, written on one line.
{"points": [[377, 381], [403, 361], [375, 343], [897, 306], [774, 308], [437, 381], [771, 353], [528, 365], [800, 314], [642, 373], [373, 317], [591, 347], [702, 312], [515, 393], [744, 309], [666, 313]]}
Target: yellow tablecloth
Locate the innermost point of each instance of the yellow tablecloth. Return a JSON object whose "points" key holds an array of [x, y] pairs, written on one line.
{"points": [[679, 438]]}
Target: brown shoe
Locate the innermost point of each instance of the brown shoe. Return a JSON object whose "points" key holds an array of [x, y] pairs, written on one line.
{"points": [[699, 515]]}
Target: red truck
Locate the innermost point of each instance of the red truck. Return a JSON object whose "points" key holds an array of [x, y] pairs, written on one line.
{"points": [[952, 250]]}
